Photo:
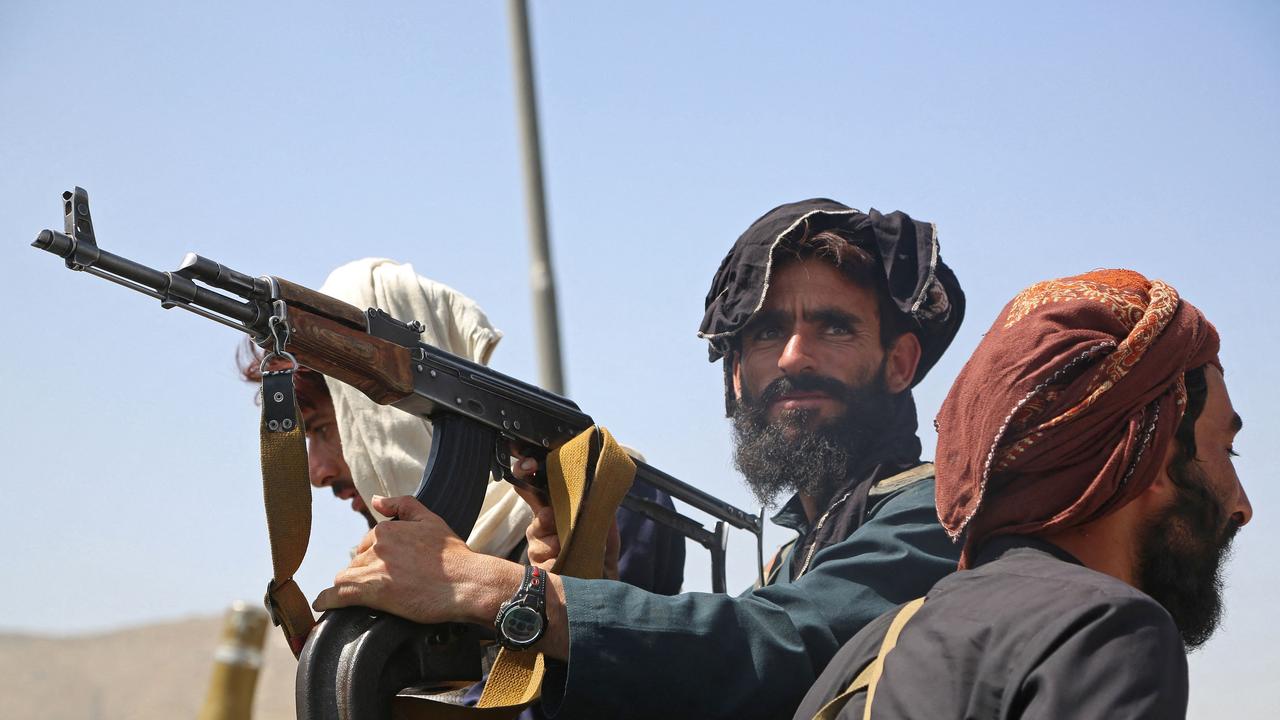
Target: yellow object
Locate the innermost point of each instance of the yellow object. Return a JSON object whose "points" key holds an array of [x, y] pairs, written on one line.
{"points": [[286, 492], [870, 675], [235, 664]]}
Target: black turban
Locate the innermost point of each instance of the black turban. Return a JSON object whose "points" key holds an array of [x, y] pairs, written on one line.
{"points": [[922, 287]]}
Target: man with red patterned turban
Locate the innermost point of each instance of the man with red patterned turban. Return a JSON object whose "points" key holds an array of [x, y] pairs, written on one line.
{"points": [[1084, 463]]}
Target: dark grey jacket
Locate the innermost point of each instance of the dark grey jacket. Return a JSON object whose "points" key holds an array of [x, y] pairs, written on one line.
{"points": [[1028, 633]]}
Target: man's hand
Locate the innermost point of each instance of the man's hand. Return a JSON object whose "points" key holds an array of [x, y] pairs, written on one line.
{"points": [[544, 540], [418, 569]]}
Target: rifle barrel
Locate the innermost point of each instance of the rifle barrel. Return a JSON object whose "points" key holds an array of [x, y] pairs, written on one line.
{"points": [[170, 288]]}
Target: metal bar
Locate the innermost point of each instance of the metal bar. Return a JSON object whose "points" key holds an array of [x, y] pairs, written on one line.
{"points": [[664, 515], [173, 303], [541, 279], [718, 551], [114, 267], [709, 504]]}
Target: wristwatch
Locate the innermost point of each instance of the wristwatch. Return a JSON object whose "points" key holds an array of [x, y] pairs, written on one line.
{"points": [[522, 619]]}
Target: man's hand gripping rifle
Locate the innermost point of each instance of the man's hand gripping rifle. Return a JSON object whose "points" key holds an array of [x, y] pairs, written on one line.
{"points": [[476, 413]]}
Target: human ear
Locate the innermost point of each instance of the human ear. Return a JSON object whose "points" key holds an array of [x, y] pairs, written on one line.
{"points": [[1160, 491], [901, 361], [735, 358]]}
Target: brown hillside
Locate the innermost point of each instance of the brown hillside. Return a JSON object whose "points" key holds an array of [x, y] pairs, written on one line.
{"points": [[153, 672]]}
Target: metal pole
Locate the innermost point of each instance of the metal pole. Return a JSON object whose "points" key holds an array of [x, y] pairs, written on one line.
{"points": [[546, 321]]}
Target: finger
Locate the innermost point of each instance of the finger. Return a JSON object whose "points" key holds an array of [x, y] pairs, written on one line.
{"points": [[544, 542], [402, 507], [524, 468], [337, 597], [543, 523], [367, 541], [543, 551], [531, 496]]}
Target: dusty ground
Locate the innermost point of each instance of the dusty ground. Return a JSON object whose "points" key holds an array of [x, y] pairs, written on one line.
{"points": [[153, 672]]}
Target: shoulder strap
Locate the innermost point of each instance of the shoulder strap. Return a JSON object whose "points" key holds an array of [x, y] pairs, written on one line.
{"points": [[902, 479], [286, 494], [870, 675]]}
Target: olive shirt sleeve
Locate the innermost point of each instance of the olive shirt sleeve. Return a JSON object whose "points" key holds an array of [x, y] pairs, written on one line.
{"points": [[700, 655]]}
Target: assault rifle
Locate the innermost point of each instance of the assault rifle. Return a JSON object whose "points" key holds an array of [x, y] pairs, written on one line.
{"points": [[356, 659]]}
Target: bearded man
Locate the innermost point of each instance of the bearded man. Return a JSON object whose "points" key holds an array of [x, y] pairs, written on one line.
{"points": [[1084, 457], [825, 317]]}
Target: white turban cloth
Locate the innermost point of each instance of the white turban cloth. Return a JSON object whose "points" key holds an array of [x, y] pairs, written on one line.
{"points": [[387, 448]]}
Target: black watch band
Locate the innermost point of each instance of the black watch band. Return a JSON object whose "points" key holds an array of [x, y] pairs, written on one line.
{"points": [[522, 619]]}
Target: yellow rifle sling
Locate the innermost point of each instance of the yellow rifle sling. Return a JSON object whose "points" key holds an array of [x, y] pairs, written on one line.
{"points": [[870, 675], [286, 493]]}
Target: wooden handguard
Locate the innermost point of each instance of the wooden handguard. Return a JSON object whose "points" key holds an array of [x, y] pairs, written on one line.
{"points": [[375, 367], [297, 296]]}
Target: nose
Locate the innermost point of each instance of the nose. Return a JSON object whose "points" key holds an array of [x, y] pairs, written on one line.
{"points": [[322, 466], [797, 356], [1244, 509]]}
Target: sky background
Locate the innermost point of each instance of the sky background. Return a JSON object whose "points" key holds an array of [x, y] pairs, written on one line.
{"points": [[287, 138]]}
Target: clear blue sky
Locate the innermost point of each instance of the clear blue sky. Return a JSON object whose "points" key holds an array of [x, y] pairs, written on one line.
{"points": [[286, 138]]}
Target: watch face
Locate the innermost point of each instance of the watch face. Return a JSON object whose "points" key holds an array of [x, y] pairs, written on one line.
{"points": [[521, 625]]}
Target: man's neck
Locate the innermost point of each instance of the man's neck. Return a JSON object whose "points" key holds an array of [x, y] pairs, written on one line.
{"points": [[810, 505], [1107, 544]]}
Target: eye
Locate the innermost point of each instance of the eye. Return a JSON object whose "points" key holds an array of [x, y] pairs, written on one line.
{"points": [[1231, 452], [768, 332], [320, 432]]}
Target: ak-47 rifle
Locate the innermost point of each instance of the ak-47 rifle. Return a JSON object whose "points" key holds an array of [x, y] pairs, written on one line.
{"points": [[356, 659]]}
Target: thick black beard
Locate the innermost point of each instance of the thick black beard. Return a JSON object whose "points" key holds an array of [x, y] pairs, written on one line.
{"points": [[795, 454], [1181, 558]]}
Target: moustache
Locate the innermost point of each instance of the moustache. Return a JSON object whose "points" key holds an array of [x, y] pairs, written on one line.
{"points": [[804, 383], [1228, 535]]}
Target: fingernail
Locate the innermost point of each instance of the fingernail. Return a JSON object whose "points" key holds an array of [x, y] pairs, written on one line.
{"points": [[376, 498]]}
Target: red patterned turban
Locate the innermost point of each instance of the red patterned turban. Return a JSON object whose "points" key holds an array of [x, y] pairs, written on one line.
{"points": [[1067, 407]]}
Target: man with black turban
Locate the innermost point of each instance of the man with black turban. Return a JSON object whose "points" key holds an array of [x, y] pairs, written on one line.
{"points": [[825, 317], [1084, 463]]}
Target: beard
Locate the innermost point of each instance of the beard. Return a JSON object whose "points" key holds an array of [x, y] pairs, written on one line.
{"points": [[1181, 557], [797, 452]]}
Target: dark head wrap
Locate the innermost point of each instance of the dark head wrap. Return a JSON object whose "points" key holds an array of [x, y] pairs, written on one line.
{"points": [[1067, 407], [922, 287]]}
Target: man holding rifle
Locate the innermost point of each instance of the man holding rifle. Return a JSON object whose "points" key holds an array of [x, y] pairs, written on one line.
{"points": [[358, 448], [825, 317]]}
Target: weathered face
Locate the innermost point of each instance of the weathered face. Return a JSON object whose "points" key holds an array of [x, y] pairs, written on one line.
{"points": [[815, 386], [1216, 429], [325, 462], [1180, 560], [814, 321]]}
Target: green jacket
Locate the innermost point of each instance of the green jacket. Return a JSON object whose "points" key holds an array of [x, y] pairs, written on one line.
{"points": [[699, 655]]}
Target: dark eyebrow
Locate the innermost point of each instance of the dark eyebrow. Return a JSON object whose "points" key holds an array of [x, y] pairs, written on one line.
{"points": [[1236, 423], [765, 317], [834, 316]]}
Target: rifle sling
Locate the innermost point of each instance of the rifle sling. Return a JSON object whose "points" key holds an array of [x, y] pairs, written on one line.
{"points": [[869, 677], [286, 494]]}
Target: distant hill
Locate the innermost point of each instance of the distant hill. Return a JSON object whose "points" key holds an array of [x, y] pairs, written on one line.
{"points": [[152, 672]]}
